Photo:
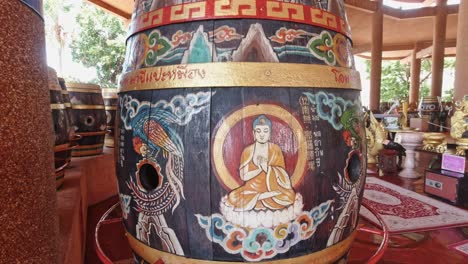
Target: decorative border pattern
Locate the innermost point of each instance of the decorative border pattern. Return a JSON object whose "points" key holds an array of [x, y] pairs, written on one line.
{"points": [[240, 74], [238, 9], [327, 255]]}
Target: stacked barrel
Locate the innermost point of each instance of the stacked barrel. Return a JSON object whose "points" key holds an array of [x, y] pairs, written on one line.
{"points": [[61, 124], [89, 118], [110, 104], [240, 132], [68, 111]]}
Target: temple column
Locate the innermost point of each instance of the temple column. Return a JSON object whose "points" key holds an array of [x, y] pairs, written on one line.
{"points": [[29, 214], [376, 54], [438, 52], [461, 66], [415, 76]]}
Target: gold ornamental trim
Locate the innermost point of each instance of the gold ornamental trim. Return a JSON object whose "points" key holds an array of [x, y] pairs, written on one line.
{"points": [[327, 255], [64, 92], [85, 107], [241, 74], [57, 106], [110, 107], [67, 105]]}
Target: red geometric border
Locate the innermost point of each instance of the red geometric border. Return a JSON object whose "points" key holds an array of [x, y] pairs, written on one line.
{"points": [[237, 9]]}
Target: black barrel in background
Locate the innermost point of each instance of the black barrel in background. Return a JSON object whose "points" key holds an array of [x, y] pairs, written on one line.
{"points": [[110, 103], [61, 128], [89, 118]]}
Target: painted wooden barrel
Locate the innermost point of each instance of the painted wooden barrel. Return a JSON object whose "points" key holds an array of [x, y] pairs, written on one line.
{"points": [[68, 111], [110, 102], [61, 128], [240, 132], [430, 108], [89, 118]]}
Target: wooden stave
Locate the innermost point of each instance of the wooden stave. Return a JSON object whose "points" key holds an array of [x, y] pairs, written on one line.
{"points": [[144, 94]]}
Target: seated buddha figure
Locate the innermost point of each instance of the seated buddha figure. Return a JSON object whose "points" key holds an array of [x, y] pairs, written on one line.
{"points": [[266, 183]]}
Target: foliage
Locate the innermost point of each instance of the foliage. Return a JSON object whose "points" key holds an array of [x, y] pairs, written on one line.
{"points": [[396, 78], [100, 44]]}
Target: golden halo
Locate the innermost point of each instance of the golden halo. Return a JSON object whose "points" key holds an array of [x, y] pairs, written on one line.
{"points": [[224, 176]]}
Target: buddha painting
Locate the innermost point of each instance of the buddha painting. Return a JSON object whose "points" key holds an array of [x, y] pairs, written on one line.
{"points": [[266, 184]]}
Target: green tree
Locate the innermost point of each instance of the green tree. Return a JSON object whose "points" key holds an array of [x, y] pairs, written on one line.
{"points": [[396, 78], [100, 43]]}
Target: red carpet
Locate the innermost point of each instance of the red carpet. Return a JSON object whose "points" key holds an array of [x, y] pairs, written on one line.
{"points": [[406, 211]]}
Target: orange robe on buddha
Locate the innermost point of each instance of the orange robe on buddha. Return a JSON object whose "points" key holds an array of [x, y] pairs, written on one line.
{"points": [[274, 183]]}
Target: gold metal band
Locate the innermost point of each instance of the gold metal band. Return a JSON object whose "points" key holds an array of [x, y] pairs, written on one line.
{"points": [[241, 74], [79, 90], [68, 105], [62, 147], [89, 86], [57, 106], [328, 255], [108, 107], [87, 150], [90, 134], [84, 107], [109, 93]]}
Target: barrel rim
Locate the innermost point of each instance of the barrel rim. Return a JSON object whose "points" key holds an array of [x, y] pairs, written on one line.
{"points": [[86, 107], [79, 86], [169, 15], [241, 74]]}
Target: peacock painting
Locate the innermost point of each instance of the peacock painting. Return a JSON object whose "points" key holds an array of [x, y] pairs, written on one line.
{"points": [[157, 186]]}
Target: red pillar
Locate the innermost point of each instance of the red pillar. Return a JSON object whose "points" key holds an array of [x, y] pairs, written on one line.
{"points": [[28, 216], [376, 60]]}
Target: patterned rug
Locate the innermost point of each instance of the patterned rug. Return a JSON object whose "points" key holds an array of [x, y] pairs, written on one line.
{"points": [[406, 211]]}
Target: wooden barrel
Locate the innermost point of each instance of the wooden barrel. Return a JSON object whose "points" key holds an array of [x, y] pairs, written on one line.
{"points": [[240, 132], [89, 118], [61, 128], [68, 111], [430, 108], [110, 102]]}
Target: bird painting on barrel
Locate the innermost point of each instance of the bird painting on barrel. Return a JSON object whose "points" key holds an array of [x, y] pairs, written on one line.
{"points": [[157, 184], [158, 188]]}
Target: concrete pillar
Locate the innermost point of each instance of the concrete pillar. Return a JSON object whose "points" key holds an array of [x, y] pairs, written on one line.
{"points": [[415, 76], [29, 226], [461, 66], [438, 52], [376, 61]]}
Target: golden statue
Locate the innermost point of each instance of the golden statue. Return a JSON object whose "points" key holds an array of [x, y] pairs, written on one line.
{"points": [[266, 182], [459, 129], [375, 134], [404, 115]]}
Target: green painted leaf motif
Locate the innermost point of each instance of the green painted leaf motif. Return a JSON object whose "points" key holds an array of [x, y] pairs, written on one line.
{"points": [[322, 47], [159, 45]]}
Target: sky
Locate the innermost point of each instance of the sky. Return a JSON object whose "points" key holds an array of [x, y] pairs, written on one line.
{"points": [[76, 71]]}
